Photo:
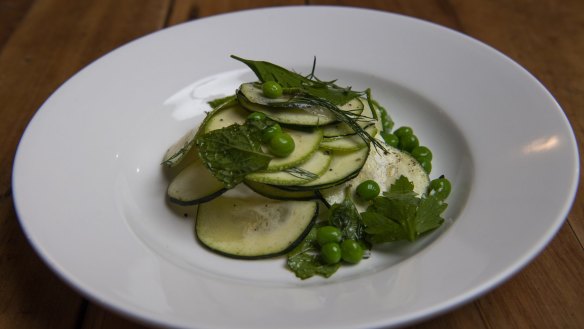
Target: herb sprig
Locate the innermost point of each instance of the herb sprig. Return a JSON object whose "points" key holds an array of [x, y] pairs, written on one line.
{"points": [[401, 215], [397, 215], [309, 92]]}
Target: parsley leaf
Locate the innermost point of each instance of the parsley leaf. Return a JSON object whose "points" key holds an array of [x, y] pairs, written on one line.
{"points": [[382, 229], [401, 215], [304, 260], [428, 215], [232, 152]]}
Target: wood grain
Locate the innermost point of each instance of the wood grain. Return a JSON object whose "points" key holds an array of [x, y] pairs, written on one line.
{"points": [[549, 288], [50, 42], [44, 42], [11, 13]]}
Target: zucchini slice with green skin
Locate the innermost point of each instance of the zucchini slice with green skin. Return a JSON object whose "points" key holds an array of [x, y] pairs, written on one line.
{"points": [[339, 129], [309, 170], [253, 227], [176, 152], [307, 141], [343, 167], [384, 169], [194, 185], [348, 143], [273, 192], [224, 117], [251, 97]]}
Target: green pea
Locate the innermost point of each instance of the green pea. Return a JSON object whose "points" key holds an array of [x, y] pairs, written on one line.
{"points": [[270, 131], [426, 164], [281, 145], [386, 122], [272, 89], [328, 234], [403, 131], [408, 142], [368, 190], [351, 251], [440, 188], [331, 253], [422, 152], [256, 116], [390, 139]]}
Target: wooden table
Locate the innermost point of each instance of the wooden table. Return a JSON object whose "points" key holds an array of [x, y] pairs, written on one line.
{"points": [[44, 42]]}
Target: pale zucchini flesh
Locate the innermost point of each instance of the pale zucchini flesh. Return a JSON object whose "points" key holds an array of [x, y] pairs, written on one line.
{"points": [[193, 185], [338, 129], [177, 152], [348, 143], [307, 141], [343, 167], [316, 165], [384, 169], [252, 99], [224, 117], [254, 226]]}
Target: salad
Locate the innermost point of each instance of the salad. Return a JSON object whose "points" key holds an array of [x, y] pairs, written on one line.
{"points": [[291, 165]]}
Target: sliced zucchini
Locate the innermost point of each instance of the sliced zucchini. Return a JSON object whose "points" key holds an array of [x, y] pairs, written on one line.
{"points": [[276, 193], [306, 143], [254, 226], [193, 185], [224, 117], [383, 169], [339, 129], [251, 97], [179, 149], [348, 143], [220, 117], [309, 170], [343, 167]]}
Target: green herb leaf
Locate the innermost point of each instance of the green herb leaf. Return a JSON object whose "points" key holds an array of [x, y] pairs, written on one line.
{"points": [[382, 229], [351, 119], [301, 173], [345, 216], [304, 260], [428, 214], [402, 189], [222, 102], [233, 152], [266, 71], [309, 92], [401, 215]]}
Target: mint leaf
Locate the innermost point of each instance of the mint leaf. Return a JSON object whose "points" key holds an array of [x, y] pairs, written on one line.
{"points": [[304, 260], [401, 215], [345, 216], [232, 152]]}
